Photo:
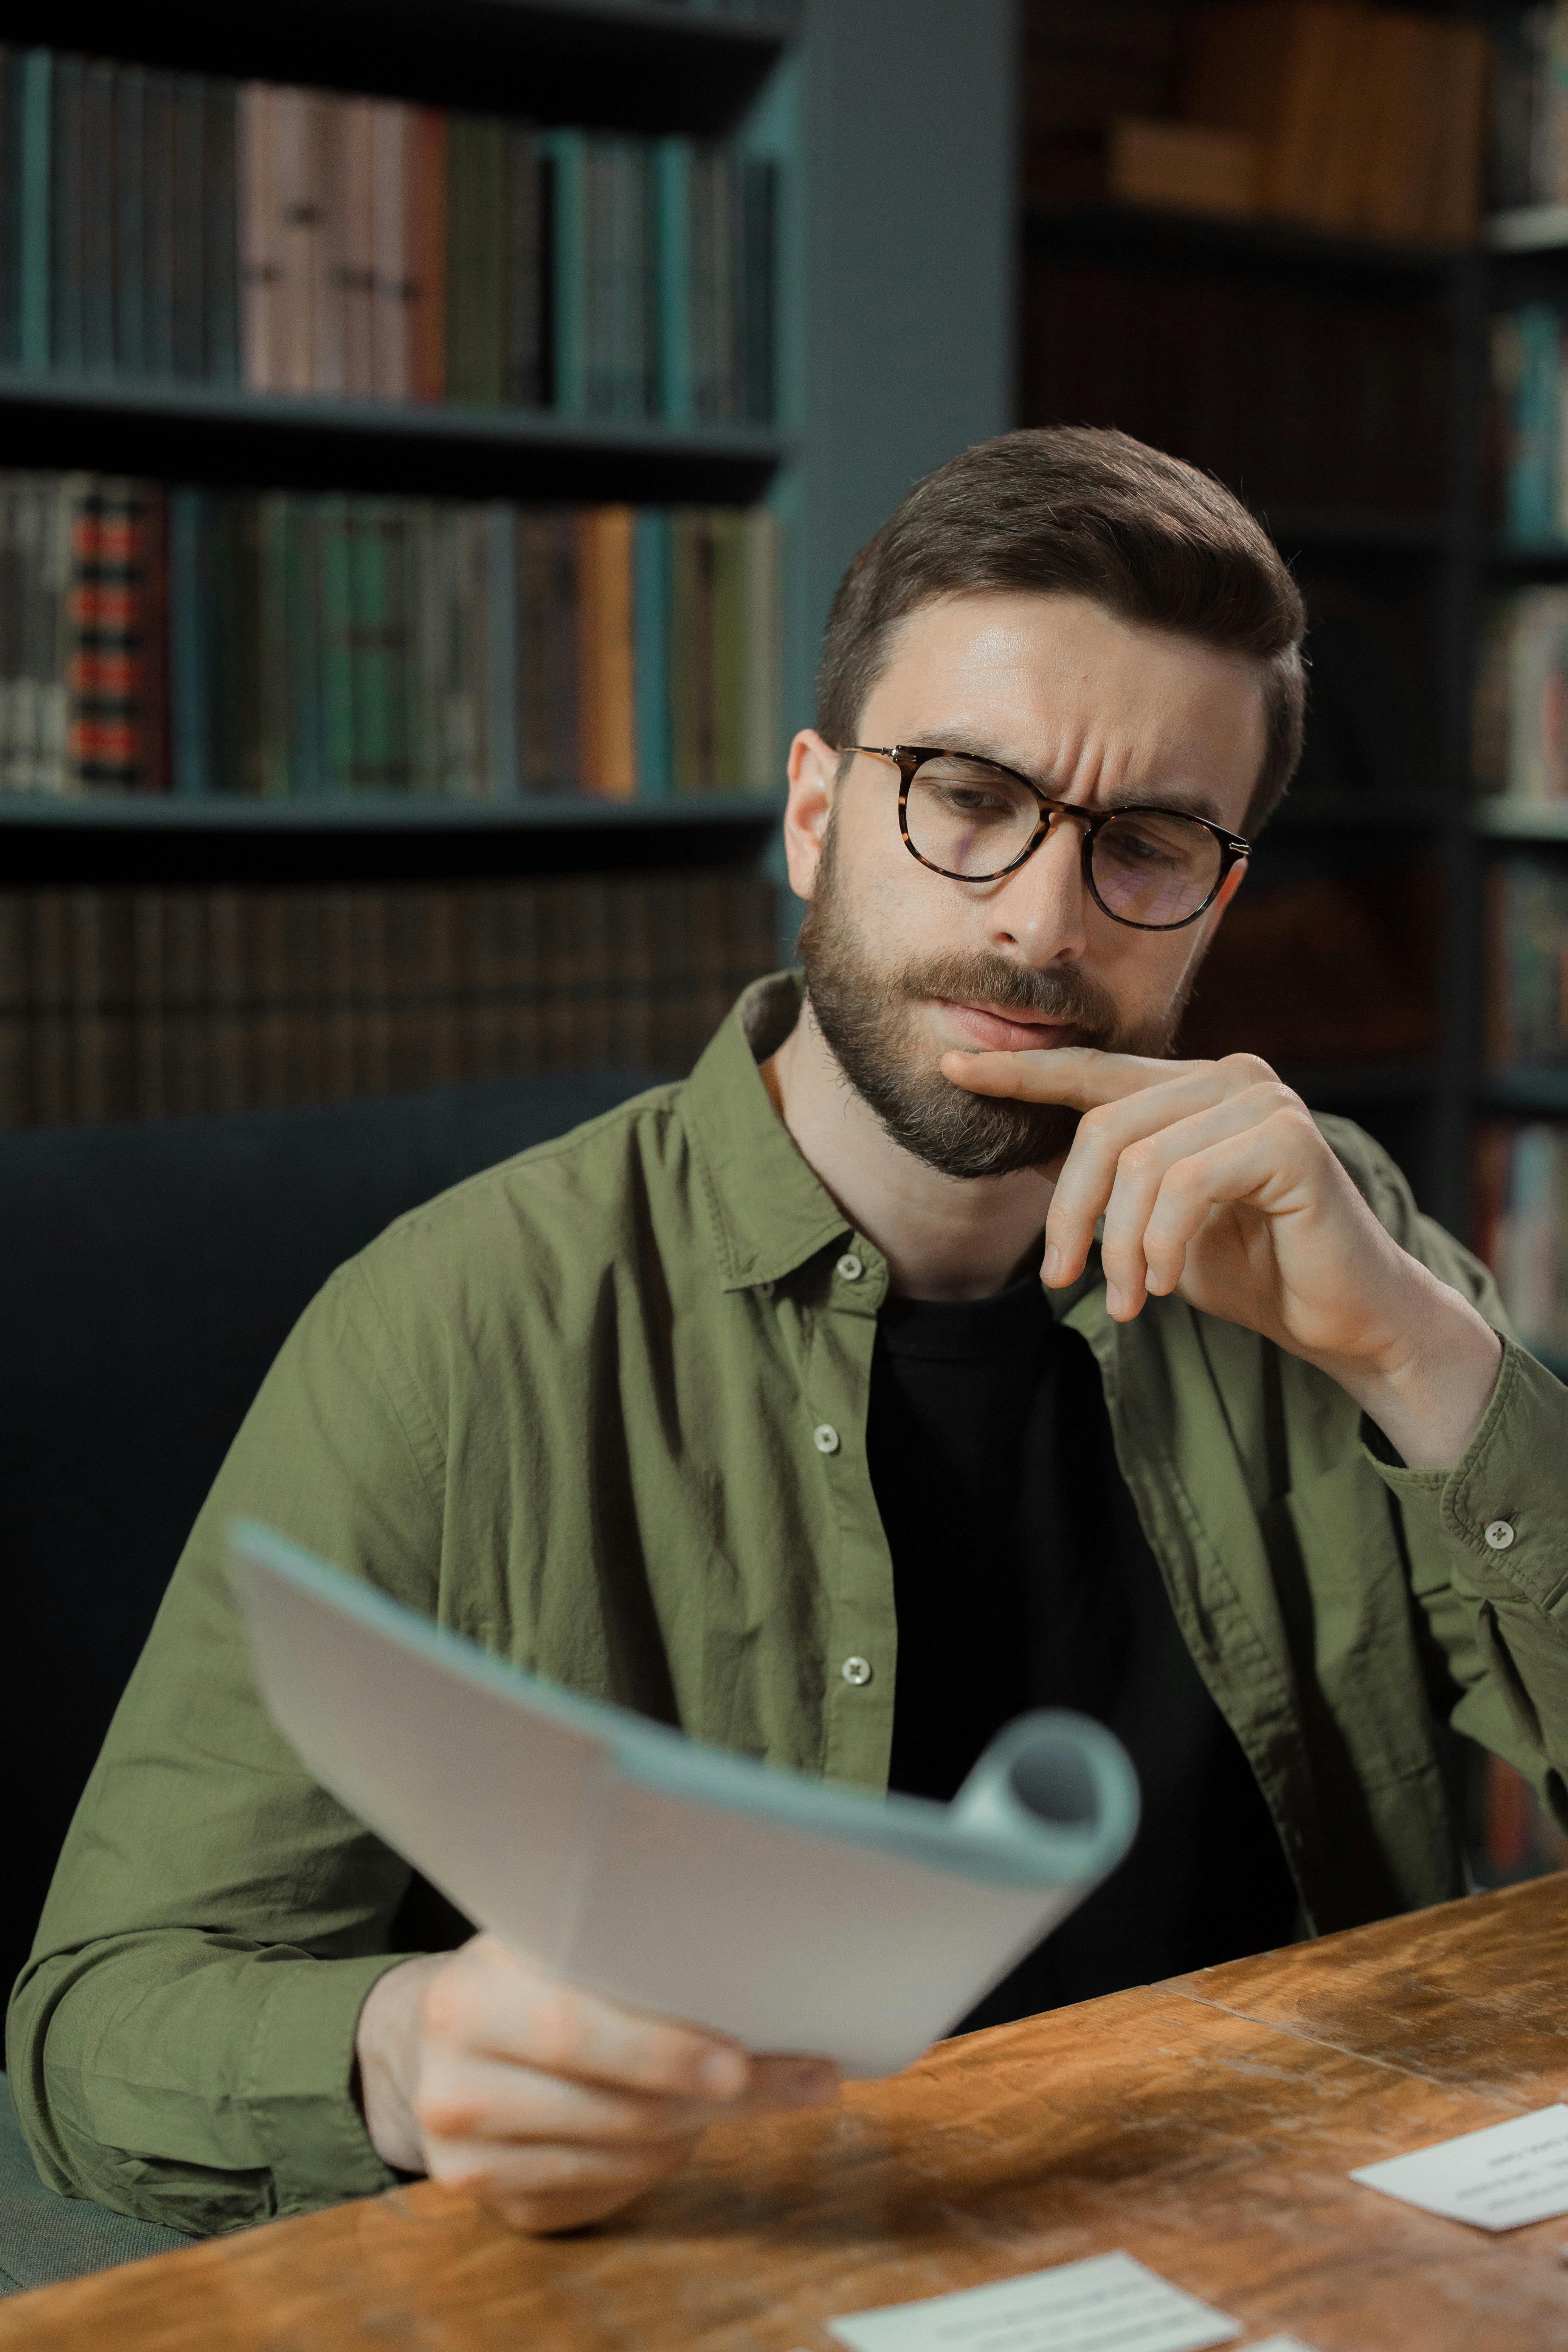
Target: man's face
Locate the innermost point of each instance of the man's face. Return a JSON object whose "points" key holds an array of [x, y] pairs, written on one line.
{"points": [[903, 964]]}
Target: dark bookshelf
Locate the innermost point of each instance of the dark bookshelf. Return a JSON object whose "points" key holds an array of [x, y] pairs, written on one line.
{"points": [[865, 262], [1290, 335]]}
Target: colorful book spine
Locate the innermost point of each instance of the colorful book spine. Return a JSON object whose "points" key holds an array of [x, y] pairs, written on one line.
{"points": [[566, 153]]}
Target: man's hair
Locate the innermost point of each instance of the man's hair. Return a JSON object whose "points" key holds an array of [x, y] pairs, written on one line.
{"points": [[1077, 510]]}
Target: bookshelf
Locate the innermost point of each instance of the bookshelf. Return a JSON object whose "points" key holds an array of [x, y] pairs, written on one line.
{"points": [[835, 94], [1405, 540]]}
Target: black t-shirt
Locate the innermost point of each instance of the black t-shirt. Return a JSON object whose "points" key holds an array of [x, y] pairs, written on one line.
{"points": [[1023, 1578]]}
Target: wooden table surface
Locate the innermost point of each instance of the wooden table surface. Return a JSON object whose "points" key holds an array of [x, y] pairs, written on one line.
{"points": [[1207, 2124]]}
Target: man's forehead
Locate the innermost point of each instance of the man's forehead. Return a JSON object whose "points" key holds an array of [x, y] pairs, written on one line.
{"points": [[1030, 680]]}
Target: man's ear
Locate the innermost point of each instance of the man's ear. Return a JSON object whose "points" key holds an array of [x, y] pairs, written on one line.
{"points": [[812, 772]]}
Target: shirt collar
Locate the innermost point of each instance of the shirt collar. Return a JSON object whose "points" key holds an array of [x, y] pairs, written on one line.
{"points": [[770, 1213]]}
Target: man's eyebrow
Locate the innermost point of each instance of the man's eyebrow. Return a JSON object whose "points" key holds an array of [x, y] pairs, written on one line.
{"points": [[1180, 800]]}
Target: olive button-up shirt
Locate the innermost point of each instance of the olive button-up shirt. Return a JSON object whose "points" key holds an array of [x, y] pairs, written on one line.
{"points": [[603, 1410]]}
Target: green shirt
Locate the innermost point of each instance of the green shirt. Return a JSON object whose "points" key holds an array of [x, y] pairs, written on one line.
{"points": [[603, 1409]]}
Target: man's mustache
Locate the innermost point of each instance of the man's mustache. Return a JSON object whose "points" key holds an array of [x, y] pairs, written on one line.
{"points": [[1063, 995]]}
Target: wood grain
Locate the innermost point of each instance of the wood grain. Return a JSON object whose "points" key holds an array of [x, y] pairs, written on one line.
{"points": [[1207, 2124]]}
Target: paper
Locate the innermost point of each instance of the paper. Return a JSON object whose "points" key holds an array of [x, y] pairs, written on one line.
{"points": [[1498, 2178], [1278, 2344], [671, 1877], [1108, 2303]]}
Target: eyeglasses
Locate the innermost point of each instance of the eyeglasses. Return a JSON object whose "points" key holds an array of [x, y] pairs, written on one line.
{"points": [[975, 821]]}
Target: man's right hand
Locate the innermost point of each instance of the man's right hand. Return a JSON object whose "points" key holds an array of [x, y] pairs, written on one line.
{"points": [[554, 2106]]}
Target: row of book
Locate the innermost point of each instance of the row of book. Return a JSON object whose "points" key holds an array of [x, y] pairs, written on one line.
{"points": [[282, 642], [1530, 384], [1362, 122], [145, 1003], [1530, 108], [1522, 1227], [1519, 731], [1526, 963], [290, 240]]}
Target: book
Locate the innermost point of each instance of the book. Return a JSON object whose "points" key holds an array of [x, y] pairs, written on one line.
{"points": [[671, 1876], [35, 183], [67, 199], [650, 594], [350, 206], [607, 726], [391, 133], [425, 252], [189, 199], [97, 199], [260, 263], [158, 226], [671, 197], [566, 155], [128, 149]]}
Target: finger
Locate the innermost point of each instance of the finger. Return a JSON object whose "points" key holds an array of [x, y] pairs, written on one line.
{"points": [[488, 2002], [1084, 1183], [1082, 1076], [465, 2098], [1259, 1165], [1130, 1252]]}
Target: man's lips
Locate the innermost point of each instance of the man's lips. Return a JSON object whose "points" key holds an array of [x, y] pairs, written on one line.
{"points": [[993, 1032]]}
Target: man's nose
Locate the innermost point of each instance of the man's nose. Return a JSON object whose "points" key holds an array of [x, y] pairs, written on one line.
{"points": [[1042, 909]]}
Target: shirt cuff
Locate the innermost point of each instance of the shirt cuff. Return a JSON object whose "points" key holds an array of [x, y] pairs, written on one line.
{"points": [[1506, 1502], [298, 2084]]}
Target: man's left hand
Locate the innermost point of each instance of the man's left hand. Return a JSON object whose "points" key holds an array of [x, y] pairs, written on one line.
{"points": [[1216, 1184]]}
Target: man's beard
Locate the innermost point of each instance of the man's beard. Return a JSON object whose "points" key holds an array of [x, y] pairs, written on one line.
{"points": [[867, 1017]]}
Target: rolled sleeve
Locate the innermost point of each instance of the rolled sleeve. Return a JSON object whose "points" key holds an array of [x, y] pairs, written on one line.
{"points": [[1494, 1530]]}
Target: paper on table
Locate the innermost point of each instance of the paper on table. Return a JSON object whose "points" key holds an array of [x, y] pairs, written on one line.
{"points": [[671, 1877], [1498, 2178], [1086, 2306]]}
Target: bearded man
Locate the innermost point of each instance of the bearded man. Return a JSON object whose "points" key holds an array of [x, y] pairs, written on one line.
{"points": [[939, 1348]]}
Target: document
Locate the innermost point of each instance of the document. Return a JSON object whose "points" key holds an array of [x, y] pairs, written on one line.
{"points": [[1108, 2303], [671, 1877], [1498, 2178]]}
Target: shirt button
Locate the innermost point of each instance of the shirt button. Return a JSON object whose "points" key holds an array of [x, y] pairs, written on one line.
{"points": [[1500, 1535], [857, 1671], [850, 1267], [824, 1437]]}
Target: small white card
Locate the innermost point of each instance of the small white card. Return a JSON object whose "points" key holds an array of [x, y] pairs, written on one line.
{"points": [[1278, 2344], [1108, 2303], [1498, 2178]]}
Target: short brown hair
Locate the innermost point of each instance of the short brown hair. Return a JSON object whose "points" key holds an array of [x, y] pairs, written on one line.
{"points": [[1079, 510]]}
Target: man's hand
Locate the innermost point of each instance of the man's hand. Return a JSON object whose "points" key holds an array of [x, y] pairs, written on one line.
{"points": [[554, 2106], [1215, 1183]]}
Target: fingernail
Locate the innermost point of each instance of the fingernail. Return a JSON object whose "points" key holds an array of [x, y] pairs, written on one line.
{"points": [[723, 2075], [1113, 1299], [1051, 1265]]}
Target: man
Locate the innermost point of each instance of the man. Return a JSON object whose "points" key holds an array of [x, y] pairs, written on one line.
{"points": [[801, 1405]]}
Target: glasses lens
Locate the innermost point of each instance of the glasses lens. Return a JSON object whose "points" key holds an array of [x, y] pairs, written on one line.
{"points": [[969, 817], [1156, 870]]}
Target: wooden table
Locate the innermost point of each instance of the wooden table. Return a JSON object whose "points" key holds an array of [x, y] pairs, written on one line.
{"points": [[1207, 2124]]}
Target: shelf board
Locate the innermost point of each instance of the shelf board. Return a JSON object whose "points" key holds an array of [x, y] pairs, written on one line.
{"points": [[450, 420], [1525, 1090], [1547, 555], [1520, 821], [766, 27], [379, 813], [1529, 229], [1162, 234]]}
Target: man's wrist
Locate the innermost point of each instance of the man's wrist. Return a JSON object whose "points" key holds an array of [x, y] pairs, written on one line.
{"points": [[1428, 1391], [387, 2060]]}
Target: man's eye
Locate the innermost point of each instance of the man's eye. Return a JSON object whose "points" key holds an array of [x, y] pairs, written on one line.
{"points": [[968, 799]]}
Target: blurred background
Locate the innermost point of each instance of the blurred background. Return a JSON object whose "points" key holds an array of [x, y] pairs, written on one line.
{"points": [[433, 436]]}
